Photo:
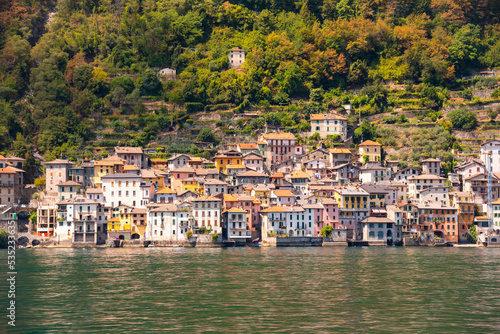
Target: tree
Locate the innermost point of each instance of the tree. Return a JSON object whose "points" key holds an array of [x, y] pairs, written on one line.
{"points": [[4, 238], [151, 85], [40, 183], [206, 135], [492, 114], [462, 119], [472, 234]]}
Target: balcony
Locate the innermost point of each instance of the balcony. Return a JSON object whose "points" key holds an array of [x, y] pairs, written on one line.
{"points": [[244, 234]]}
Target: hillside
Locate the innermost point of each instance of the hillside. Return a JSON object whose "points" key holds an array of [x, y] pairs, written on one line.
{"points": [[78, 77]]}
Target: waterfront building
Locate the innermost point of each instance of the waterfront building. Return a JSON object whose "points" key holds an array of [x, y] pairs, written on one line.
{"points": [[380, 231], [206, 213], [235, 225], [354, 206]]}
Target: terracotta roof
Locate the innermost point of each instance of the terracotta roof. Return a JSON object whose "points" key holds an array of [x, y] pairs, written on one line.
{"points": [[333, 116], [60, 161], [278, 135], [206, 198], [248, 146], [166, 191], [277, 175], [369, 142], [113, 159], [235, 167], [134, 150], [130, 167], [7, 171], [250, 173], [340, 150], [274, 209], [69, 183], [184, 169], [235, 210], [283, 193], [93, 191], [298, 174]]}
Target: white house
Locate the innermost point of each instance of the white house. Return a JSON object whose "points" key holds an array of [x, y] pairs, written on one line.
{"points": [[236, 57], [235, 226], [167, 222], [374, 172], [380, 231], [126, 188], [214, 187], [421, 182], [491, 149], [206, 212], [177, 161], [329, 124]]}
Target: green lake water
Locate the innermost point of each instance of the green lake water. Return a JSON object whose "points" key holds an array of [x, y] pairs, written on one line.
{"points": [[256, 290]]}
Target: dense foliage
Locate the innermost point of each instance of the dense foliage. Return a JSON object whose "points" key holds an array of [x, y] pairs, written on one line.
{"points": [[98, 58]]}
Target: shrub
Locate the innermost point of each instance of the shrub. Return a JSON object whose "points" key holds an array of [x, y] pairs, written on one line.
{"points": [[327, 231], [215, 237], [189, 234], [194, 106]]}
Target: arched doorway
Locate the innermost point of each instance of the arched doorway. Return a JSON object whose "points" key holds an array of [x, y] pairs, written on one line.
{"points": [[135, 236], [121, 237]]}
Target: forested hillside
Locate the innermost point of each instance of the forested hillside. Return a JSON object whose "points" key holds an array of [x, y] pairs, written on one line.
{"points": [[85, 76]]}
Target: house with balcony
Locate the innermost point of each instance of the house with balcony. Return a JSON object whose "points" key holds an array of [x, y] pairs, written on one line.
{"points": [[354, 206], [235, 226]]}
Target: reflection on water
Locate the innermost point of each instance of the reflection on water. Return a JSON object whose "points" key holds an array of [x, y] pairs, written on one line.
{"points": [[259, 290]]}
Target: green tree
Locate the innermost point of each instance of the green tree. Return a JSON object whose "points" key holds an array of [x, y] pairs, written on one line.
{"points": [[462, 119], [472, 234], [4, 238], [206, 135]]}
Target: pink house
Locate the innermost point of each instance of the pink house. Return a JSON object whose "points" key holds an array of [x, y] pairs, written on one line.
{"points": [[282, 197], [330, 212], [247, 203]]}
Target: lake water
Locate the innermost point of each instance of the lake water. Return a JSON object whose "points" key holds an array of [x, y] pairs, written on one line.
{"points": [[264, 290]]}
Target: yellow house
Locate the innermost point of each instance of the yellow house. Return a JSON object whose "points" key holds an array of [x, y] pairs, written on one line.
{"points": [[192, 184], [154, 176], [110, 165], [231, 157], [354, 205], [371, 149]]}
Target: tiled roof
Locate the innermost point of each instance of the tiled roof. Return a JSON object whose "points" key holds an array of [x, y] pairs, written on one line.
{"points": [[166, 191], [274, 209], [248, 146], [340, 151], [333, 116], [283, 193], [369, 143], [134, 150], [278, 135], [60, 162]]}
